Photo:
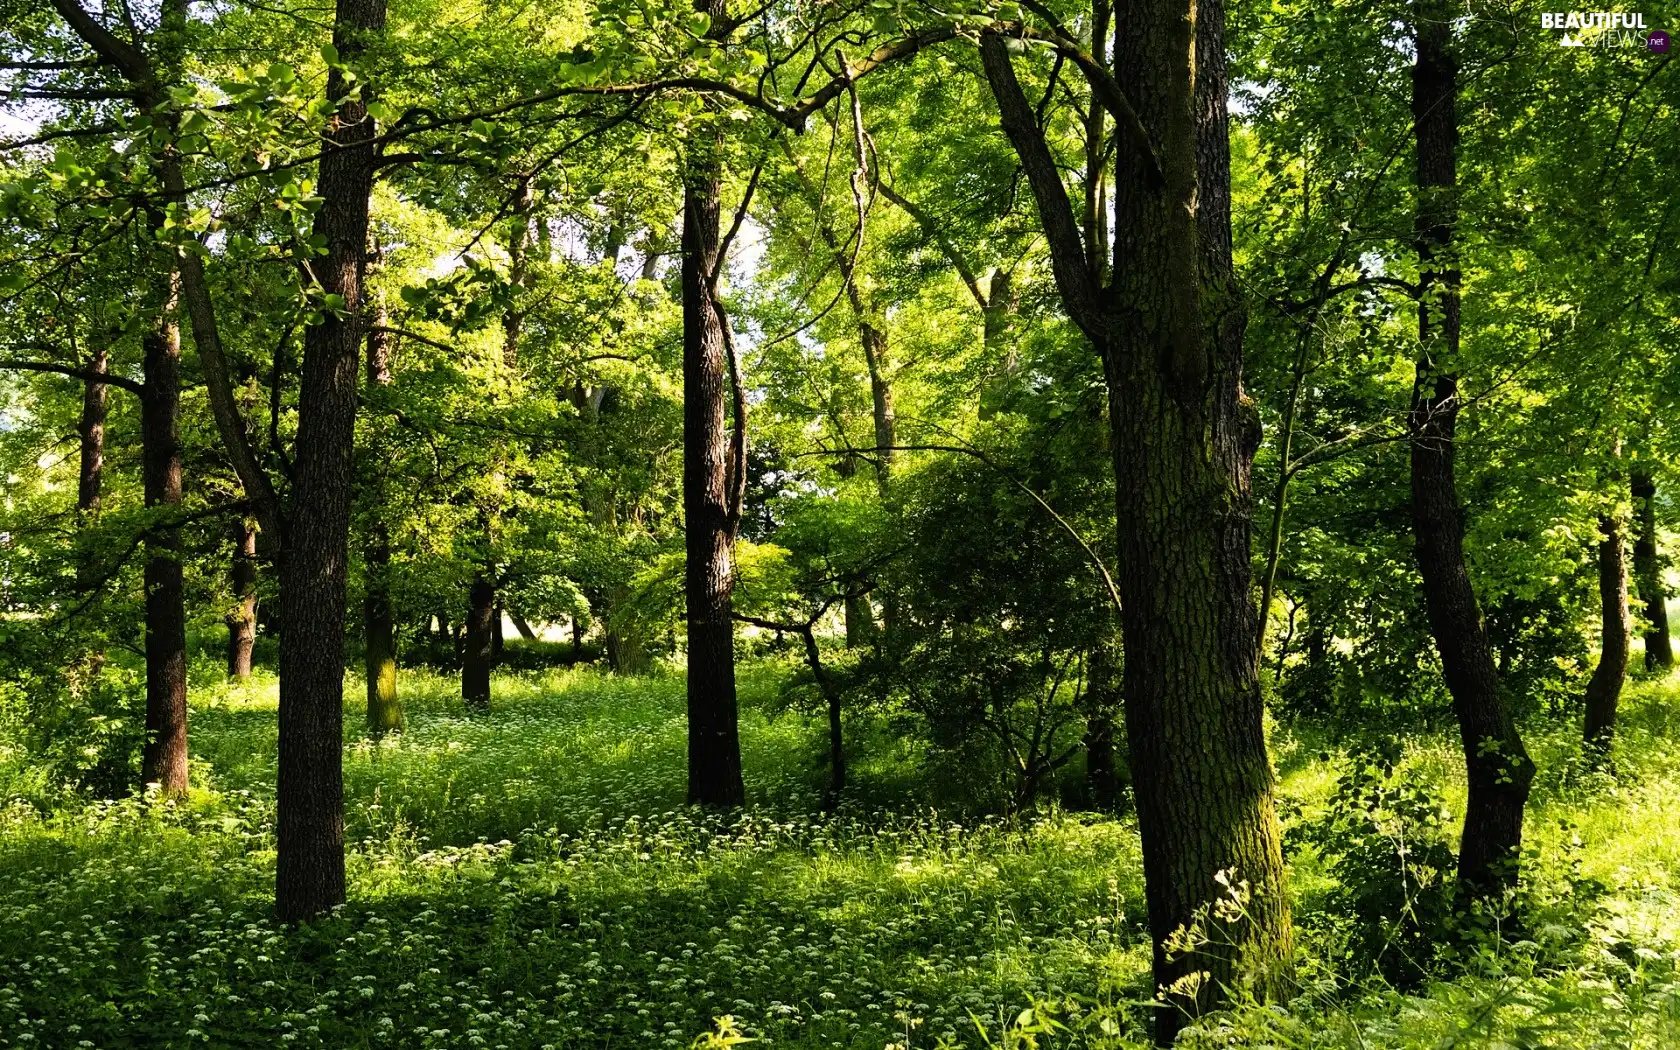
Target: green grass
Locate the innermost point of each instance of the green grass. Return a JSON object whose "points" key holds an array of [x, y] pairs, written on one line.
{"points": [[532, 879]]}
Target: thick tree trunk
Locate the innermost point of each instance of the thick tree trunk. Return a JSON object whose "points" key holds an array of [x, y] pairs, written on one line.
{"points": [[1498, 765], [310, 867], [714, 747], [1659, 653], [1184, 442], [522, 627], [242, 618], [497, 642], [164, 758], [1170, 330], [1604, 689], [476, 655]]}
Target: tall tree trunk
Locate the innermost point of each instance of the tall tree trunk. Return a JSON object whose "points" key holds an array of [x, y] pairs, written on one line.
{"points": [[90, 477], [1170, 331], [379, 629], [384, 708], [310, 867], [164, 758], [91, 429], [497, 642], [242, 618], [1604, 689], [476, 655], [714, 746], [522, 627], [1659, 653], [1498, 765]]}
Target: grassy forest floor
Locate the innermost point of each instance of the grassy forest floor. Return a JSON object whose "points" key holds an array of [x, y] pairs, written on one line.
{"points": [[531, 879]]}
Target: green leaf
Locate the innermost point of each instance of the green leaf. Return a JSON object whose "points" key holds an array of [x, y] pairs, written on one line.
{"points": [[329, 54]]}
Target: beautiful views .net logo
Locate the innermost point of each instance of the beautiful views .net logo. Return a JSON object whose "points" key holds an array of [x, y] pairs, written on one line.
{"points": [[1605, 29]]}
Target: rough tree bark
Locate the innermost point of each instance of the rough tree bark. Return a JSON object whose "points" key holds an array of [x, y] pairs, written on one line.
{"points": [[310, 867], [379, 629], [1170, 330], [1499, 767], [476, 656], [164, 758], [1659, 652], [1604, 689], [242, 618], [714, 746], [90, 428]]}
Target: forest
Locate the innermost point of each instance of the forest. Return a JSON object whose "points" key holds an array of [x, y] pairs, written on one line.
{"points": [[876, 524]]}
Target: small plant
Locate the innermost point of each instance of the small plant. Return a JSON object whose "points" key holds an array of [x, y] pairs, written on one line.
{"points": [[1385, 837]]}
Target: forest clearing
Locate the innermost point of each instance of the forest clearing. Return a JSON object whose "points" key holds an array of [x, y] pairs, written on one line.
{"points": [[534, 879]]}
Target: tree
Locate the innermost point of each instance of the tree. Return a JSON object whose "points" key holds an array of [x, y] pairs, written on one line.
{"points": [[310, 869], [1499, 767], [1659, 654], [713, 472], [1605, 687], [1169, 329]]}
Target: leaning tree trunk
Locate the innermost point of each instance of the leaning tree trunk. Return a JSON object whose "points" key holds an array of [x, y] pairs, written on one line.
{"points": [[714, 746], [1498, 765], [164, 758], [379, 629], [242, 618], [1604, 689], [310, 867], [1659, 653], [477, 655], [1170, 333]]}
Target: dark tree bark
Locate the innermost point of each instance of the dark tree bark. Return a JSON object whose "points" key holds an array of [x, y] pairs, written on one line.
{"points": [[164, 758], [522, 627], [1659, 653], [91, 429], [1102, 711], [379, 630], [1170, 330], [310, 868], [1604, 689], [476, 655], [242, 618], [497, 642], [714, 746], [1498, 765], [90, 475]]}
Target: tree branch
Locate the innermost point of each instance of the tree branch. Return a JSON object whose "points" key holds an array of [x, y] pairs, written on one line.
{"points": [[86, 375], [1055, 211]]}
